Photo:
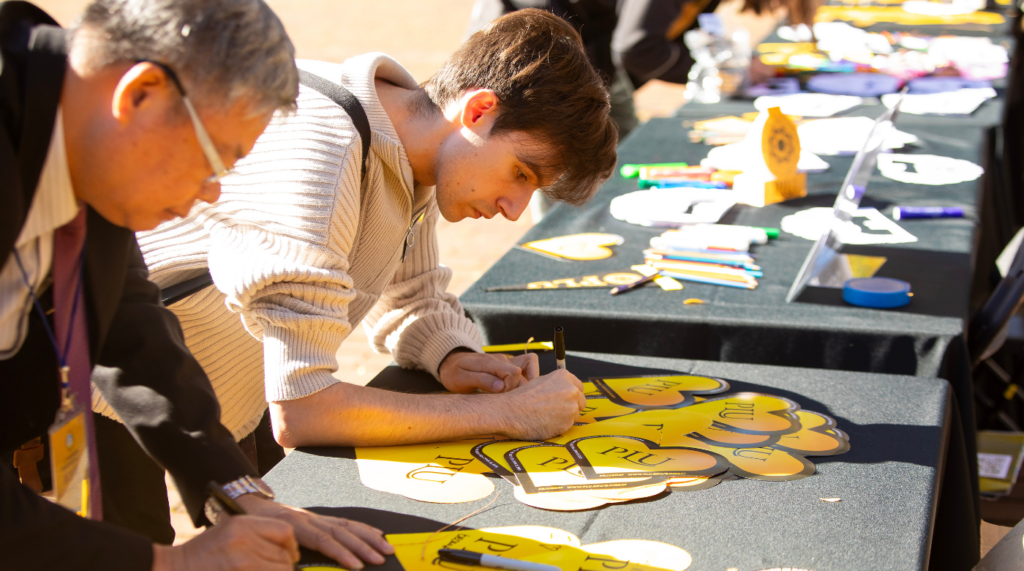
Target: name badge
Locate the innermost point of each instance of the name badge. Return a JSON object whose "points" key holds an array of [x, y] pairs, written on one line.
{"points": [[69, 461]]}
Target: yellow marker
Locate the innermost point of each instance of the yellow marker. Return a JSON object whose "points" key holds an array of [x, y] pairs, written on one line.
{"points": [[85, 499], [537, 346]]}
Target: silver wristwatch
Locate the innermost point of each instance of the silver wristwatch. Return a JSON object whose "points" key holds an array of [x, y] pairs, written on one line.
{"points": [[240, 487]]}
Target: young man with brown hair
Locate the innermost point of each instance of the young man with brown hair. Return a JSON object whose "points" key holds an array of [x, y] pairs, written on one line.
{"points": [[302, 245]]}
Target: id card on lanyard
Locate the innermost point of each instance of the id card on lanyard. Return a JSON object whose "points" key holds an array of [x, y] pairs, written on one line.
{"points": [[68, 436], [69, 460]]}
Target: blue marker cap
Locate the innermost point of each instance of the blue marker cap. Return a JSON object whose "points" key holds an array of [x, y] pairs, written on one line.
{"points": [[877, 293]]}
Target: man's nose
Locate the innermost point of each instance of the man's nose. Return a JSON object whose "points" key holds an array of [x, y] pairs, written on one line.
{"points": [[209, 192], [515, 206]]}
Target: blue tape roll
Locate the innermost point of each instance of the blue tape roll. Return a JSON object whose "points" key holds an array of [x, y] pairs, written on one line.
{"points": [[878, 293]]}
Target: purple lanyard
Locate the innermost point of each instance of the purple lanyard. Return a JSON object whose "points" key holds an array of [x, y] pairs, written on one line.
{"points": [[61, 355]]}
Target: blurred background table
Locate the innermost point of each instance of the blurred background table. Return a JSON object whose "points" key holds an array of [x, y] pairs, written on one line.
{"points": [[904, 476]]}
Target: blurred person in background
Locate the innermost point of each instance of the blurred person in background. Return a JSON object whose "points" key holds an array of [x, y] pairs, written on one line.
{"points": [[630, 42], [98, 139], [304, 244]]}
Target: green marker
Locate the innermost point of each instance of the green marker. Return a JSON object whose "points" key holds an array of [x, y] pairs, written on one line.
{"points": [[771, 232], [633, 171]]}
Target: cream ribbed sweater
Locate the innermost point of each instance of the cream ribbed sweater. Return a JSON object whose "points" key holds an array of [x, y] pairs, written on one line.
{"points": [[298, 259]]}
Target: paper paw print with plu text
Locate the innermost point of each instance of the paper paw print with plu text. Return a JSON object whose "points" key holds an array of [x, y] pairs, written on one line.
{"points": [[637, 438], [538, 544]]}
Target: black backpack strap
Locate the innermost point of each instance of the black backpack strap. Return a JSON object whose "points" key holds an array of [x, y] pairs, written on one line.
{"points": [[347, 101], [343, 97]]}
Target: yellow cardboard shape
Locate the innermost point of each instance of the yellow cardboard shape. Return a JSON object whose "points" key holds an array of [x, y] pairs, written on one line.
{"points": [[780, 145], [589, 390], [588, 246], [718, 436], [601, 408], [658, 391], [765, 463], [560, 501], [492, 455], [438, 473], [653, 553], [546, 468], [418, 551], [615, 426], [669, 422], [818, 436], [752, 413], [613, 457]]}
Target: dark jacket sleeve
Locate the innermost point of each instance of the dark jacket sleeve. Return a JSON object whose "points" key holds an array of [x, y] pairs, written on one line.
{"points": [[38, 535], [148, 376], [639, 44]]}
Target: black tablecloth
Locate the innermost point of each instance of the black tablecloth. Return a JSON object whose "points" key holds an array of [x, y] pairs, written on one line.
{"points": [[904, 475], [925, 338]]}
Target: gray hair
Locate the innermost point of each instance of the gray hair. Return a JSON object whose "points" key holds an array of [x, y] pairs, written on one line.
{"points": [[222, 50]]}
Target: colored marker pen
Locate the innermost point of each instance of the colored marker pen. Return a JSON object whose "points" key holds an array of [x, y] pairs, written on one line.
{"points": [[904, 212], [493, 561], [633, 171], [559, 347], [663, 183]]}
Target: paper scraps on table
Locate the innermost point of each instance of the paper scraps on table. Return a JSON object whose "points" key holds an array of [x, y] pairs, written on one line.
{"points": [[637, 438], [844, 136], [961, 102], [671, 207], [582, 247], [808, 104], [537, 544], [869, 226], [928, 169]]}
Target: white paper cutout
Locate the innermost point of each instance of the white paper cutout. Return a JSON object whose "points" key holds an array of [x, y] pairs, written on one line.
{"points": [[928, 169], [845, 136], [808, 104], [959, 102], [810, 224]]}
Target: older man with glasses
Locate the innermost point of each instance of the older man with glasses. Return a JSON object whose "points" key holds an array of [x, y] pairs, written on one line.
{"points": [[99, 138]]}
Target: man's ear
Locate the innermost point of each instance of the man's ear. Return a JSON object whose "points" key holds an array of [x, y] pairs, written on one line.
{"points": [[479, 109], [143, 86]]}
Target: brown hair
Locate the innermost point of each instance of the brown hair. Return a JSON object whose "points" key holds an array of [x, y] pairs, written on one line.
{"points": [[536, 65], [800, 11]]}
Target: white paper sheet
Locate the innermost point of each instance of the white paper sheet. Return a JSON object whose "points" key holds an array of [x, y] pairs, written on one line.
{"points": [[928, 169], [869, 226]]}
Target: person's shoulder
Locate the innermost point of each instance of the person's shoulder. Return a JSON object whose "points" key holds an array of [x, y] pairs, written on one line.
{"points": [[14, 15]]}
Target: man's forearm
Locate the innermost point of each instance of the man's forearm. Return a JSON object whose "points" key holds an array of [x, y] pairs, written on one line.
{"points": [[352, 415]]}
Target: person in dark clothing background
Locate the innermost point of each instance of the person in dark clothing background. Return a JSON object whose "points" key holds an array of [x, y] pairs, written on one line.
{"points": [[634, 41]]}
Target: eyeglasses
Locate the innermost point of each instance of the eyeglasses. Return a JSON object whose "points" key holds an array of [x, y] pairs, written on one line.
{"points": [[212, 156]]}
